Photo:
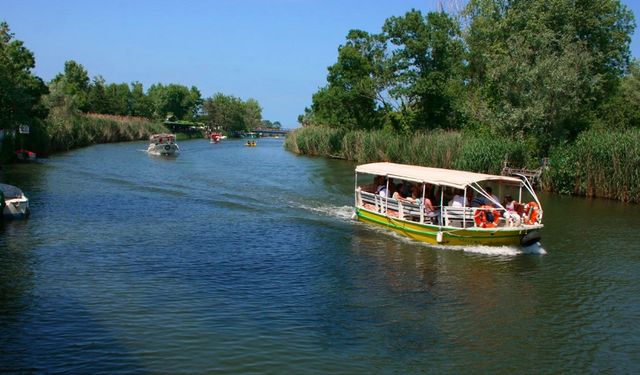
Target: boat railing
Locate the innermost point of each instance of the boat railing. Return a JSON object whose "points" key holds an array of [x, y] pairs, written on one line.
{"points": [[391, 207], [460, 217]]}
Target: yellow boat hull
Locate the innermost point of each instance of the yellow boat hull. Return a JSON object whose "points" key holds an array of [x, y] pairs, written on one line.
{"points": [[450, 235]]}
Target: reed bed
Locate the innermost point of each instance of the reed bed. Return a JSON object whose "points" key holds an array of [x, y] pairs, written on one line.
{"points": [[442, 149], [68, 132], [597, 164]]}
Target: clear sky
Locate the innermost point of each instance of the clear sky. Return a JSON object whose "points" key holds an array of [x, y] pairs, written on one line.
{"points": [[275, 51]]}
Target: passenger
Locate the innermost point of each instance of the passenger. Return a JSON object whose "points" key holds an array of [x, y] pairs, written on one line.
{"points": [[494, 199], [478, 201], [382, 184], [384, 192], [406, 189], [397, 193], [372, 187], [458, 200], [511, 215], [509, 204]]}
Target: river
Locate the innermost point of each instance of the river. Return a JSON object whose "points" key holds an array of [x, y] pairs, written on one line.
{"points": [[233, 259]]}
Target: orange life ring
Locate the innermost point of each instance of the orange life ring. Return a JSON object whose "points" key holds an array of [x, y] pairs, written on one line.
{"points": [[482, 219], [531, 211]]}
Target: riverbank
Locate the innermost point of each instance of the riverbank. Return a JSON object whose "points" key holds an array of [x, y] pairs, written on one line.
{"points": [[598, 164], [66, 132]]}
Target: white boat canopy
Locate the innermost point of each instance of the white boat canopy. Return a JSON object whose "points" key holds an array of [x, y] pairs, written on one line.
{"points": [[434, 176]]}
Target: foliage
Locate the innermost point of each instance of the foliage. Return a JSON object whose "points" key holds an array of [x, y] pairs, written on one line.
{"points": [[349, 99], [541, 67], [622, 110], [599, 164], [436, 148], [68, 132], [175, 100], [20, 90], [427, 64], [231, 113]]}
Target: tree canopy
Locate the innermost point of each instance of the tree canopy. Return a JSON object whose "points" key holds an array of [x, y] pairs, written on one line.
{"points": [[547, 69], [20, 90]]}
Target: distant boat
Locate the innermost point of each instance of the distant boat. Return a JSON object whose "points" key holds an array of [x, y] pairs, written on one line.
{"points": [[163, 145], [251, 144], [215, 137], [25, 155], [15, 205]]}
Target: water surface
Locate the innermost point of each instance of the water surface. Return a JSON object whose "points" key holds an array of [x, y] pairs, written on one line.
{"points": [[245, 260]]}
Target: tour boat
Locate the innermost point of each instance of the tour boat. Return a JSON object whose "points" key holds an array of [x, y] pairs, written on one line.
{"points": [[15, 205], [430, 216], [163, 145]]}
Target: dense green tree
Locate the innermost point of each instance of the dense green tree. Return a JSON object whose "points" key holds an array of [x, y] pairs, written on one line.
{"points": [[97, 96], [176, 100], [622, 110], [252, 114], [20, 90], [74, 85], [541, 67], [118, 99], [350, 99], [231, 113], [141, 104], [427, 64]]}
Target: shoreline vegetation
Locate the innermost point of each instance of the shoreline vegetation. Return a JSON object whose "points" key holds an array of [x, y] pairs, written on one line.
{"points": [[73, 110], [493, 81], [58, 133], [87, 129], [599, 164]]}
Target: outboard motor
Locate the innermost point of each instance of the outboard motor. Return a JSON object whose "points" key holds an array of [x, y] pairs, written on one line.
{"points": [[530, 238]]}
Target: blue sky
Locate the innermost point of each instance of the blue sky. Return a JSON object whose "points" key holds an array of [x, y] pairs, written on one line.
{"points": [[276, 51]]}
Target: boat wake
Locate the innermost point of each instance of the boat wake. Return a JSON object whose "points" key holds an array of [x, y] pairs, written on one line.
{"points": [[341, 212], [535, 249]]}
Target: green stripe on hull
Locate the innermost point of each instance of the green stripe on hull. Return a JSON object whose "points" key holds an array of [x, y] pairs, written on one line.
{"points": [[450, 235]]}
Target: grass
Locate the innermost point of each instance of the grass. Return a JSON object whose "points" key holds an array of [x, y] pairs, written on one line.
{"points": [[69, 132], [597, 164]]}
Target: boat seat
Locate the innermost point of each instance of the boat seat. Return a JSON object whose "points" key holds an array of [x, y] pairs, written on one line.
{"points": [[458, 216]]}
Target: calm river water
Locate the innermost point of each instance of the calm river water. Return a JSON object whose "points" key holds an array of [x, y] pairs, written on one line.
{"points": [[245, 260]]}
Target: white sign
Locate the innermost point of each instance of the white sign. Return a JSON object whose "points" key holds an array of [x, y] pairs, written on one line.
{"points": [[24, 129]]}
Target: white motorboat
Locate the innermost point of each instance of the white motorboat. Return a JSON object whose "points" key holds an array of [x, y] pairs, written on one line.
{"points": [[15, 205], [163, 145]]}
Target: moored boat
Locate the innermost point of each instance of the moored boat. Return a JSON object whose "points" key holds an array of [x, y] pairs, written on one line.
{"points": [[25, 155], [15, 205], [163, 145], [438, 206]]}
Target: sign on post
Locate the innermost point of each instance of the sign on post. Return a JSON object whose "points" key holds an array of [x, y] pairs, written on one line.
{"points": [[23, 129]]}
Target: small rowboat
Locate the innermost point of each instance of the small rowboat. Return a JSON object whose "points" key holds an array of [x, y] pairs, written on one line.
{"points": [[13, 203]]}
